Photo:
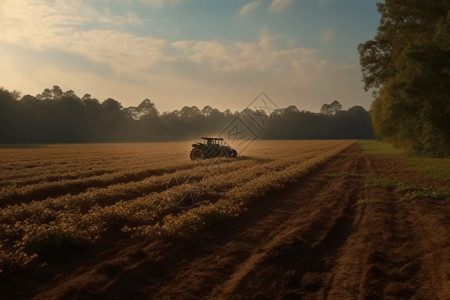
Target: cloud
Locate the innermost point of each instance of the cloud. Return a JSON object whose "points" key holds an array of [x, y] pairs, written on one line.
{"points": [[42, 24], [160, 2], [43, 27], [263, 55], [278, 6], [247, 8], [98, 57]]}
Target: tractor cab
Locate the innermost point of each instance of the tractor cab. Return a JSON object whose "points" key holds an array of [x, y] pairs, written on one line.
{"points": [[211, 147]]}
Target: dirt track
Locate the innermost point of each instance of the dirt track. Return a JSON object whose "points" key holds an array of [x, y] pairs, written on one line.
{"points": [[327, 237]]}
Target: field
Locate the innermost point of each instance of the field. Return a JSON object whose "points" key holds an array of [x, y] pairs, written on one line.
{"points": [[312, 219]]}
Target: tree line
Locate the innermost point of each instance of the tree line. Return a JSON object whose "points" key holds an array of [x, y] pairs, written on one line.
{"points": [[57, 116], [407, 65]]}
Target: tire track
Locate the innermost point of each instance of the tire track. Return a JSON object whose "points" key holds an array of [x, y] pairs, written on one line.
{"points": [[309, 221], [386, 255]]}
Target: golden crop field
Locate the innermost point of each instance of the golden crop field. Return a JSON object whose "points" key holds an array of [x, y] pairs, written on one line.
{"points": [[64, 196]]}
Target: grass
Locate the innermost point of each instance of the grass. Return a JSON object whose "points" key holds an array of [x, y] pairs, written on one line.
{"points": [[382, 149], [409, 191], [435, 168]]}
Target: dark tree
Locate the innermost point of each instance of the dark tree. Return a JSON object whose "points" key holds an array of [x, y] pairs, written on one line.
{"points": [[147, 109], [55, 116], [407, 65], [92, 119], [331, 109], [9, 115]]}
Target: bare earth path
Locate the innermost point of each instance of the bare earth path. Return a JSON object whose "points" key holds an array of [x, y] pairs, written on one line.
{"points": [[327, 237]]}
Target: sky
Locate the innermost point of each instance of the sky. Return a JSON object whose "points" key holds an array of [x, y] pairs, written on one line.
{"points": [[177, 53]]}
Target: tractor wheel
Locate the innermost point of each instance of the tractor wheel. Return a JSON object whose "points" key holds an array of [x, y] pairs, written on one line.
{"points": [[197, 154], [224, 153], [233, 153]]}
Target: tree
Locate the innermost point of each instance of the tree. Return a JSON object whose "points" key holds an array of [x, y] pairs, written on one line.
{"points": [[57, 116], [8, 116], [69, 117], [92, 118], [51, 94], [357, 123], [207, 110], [407, 65], [147, 109], [331, 109], [112, 118]]}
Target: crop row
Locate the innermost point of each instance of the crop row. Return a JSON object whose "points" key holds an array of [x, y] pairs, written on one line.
{"points": [[172, 197], [17, 164], [235, 200]]}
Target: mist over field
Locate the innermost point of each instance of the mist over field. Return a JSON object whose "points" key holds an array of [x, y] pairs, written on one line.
{"points": [[55, 116]]}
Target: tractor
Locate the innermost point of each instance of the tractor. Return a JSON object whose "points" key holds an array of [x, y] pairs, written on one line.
{"points": [[210, 148]]}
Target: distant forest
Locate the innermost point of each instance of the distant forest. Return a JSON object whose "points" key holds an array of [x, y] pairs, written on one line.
{"points": [[63, 117]]}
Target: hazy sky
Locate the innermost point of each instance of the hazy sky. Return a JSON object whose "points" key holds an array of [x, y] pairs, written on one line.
{"points": [[189, 52]]}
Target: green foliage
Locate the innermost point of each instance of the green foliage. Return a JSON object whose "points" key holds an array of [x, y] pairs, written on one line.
{"points": [[432, 193], [435, 168], [382, 182], [410, 191], [331, 109], [408, 66], [382, 149]]}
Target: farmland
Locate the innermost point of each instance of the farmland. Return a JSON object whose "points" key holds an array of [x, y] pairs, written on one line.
{"points": [[83, 193], [144, 220]]}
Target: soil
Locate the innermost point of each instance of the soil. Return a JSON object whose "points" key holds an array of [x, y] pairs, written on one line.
{"points": [[326, 237]]}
